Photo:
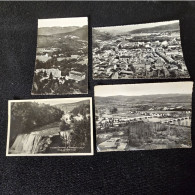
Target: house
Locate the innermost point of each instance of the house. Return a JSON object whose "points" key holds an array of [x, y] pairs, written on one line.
{"points": [[59, 59], [126, 72], [75, 75], [124, 58], [74, 56], [43, 58]]}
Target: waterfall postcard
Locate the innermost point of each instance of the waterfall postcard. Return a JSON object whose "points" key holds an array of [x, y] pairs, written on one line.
{"points": [[50, 127], [143, 116], [61, 65], [150, 50]]}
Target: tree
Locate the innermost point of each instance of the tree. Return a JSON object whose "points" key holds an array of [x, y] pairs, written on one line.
{"points": [[132, 67], [81, 134], [45, 74], [64, 126], [173, 73], [113, 110], [83, 109], [51, 76]]}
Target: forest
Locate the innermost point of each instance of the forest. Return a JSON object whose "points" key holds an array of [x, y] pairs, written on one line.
{"points": [[26, 116]]}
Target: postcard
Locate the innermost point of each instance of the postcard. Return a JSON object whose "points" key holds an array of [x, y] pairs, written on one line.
{"points": [[50, 127], [61, 65], [142, 51], [143, 116]]}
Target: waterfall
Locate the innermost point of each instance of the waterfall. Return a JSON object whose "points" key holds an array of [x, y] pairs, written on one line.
{"points": [[26, 144]]}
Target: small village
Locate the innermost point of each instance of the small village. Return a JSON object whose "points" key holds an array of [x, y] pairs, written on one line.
{"points": [[61, 72], [145, 55]]}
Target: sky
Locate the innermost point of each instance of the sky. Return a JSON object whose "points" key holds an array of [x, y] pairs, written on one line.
{"points": [[144, 89], [63, 22], [126, 28]]}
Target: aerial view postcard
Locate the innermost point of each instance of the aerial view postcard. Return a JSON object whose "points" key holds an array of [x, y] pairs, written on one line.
{"points": [[61, 65], [50, 127], [142, 51], [143, 116]]}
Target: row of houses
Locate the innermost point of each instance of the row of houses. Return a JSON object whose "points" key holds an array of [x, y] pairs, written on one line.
{"points": [[56, 73]]}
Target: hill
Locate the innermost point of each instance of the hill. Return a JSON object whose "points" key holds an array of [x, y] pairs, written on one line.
{"points": [[70, 106], [157, 98], [100, 35], [64, 39], [56, 30], [157, 29], [82, 33]]}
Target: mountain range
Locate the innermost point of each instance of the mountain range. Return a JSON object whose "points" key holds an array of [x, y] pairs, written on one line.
{"points": [[56, 30], [58, 38], [110, 32], [157, 29], [157, 98]]}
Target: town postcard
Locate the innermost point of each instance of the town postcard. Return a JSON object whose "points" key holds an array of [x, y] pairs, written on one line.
{"points": [[61, 65]]}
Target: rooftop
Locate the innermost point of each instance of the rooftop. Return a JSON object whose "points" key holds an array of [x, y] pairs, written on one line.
{"points": [[76, 73]]}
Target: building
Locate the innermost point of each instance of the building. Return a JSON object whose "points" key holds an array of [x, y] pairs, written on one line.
{"points": [[75, 75], [124, 58], [126, 72], [74, 56]]}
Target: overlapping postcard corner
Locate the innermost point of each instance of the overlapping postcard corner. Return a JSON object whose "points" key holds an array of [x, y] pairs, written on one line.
{"points": [[142, 51], [61, 65], [50, 127], [143, 116]]}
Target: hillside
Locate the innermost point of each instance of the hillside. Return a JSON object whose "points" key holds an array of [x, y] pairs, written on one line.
{"points": [[158, 98], [82, 33], [157, 29], [96, 34], [56, 30], [61, 39], [70, 106]]}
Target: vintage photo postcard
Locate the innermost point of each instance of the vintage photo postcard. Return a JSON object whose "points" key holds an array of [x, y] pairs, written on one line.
{"points": [[142, 51], [61, 65], [143, 116], [50, 127]]}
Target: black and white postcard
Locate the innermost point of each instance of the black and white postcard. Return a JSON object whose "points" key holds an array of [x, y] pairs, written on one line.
{"points": [[150, 51], [50, 127], [143, 116], [61, 65]]}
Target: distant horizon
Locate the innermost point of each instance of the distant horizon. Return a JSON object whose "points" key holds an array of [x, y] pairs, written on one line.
{"points": [[61, 26], [146, 95], [53, 102], [184, 87]]}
